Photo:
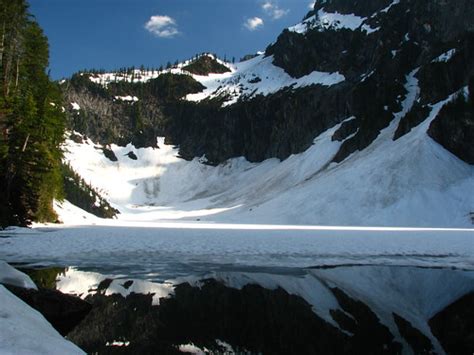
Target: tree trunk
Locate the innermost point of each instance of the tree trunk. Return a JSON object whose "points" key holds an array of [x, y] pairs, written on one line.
{"points": [[2, 43], [17, 72], [26, 143]]}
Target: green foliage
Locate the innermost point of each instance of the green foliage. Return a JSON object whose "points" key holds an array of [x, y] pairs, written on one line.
{"points": [[45, 278], [81, 81], [81, 194], [31, 121]]}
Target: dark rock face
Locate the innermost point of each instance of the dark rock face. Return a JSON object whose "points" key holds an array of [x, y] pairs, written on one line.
{"points": [[64, 312], [453, 128], [253, 318], [417, 340], [370, 336], [258, 129], [408, 36], [105, 118], [347, 129], [454, 326], [413, 118]]}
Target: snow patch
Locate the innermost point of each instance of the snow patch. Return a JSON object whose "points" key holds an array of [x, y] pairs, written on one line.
{"points": [[25, 331], [127, 98], [445, 57], [257, 76], [11, 276]]}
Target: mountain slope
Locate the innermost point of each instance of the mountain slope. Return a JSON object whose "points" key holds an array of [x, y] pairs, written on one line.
{"points": [[354, 100]]}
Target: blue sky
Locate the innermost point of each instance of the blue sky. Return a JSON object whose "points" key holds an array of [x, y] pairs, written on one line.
{"points": [[109, 34]]}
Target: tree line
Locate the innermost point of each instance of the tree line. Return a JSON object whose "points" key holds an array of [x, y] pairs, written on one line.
{"points": [[32, 123]]}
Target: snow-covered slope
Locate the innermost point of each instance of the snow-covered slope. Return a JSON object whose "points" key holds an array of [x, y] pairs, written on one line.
{"points": [[25, 331], [412, 181], [257, 76]]}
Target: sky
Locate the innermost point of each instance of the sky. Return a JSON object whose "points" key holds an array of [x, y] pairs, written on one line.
{"points": [[110, 34]]}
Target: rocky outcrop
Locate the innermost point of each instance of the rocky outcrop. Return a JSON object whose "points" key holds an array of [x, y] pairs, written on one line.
{"points": [[416, 339], [262, 128], [253, 318], [104, 116], [205, 65], [454, 326], [453, 128], [396, 38]]}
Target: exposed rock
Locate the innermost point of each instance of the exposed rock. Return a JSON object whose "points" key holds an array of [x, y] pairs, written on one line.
{"points": [[369, 334], [416, 339], [453, 128], [412, 119], [109, 154], [132, 155], [252, 318], [406, 36], [347, 129], [454, 326]]}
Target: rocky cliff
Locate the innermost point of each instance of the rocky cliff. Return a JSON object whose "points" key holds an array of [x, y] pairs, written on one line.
{"points": [[373, 45]]}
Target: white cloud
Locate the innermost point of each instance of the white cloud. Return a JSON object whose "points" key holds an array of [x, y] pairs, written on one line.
{"points": [[253, 23], [162, 26], [273, 10]]}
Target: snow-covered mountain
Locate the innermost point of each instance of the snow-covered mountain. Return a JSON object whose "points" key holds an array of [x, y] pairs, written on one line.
{"points": [[362, 114]]}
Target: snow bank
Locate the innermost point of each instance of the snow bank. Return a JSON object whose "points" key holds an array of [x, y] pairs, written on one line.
{"points": [[257, 76], [25, 331], [11, 276], [410, 182], [71, 214]]}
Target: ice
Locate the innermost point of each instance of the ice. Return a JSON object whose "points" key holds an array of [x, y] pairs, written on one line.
{"points": [[171, 250], [11, 276]]}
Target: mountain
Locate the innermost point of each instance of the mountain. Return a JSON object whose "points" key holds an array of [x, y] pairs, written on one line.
{"points": [[362, 114]]}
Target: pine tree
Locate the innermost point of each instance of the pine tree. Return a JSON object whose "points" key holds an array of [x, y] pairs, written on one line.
{"points": [[31, 121]]}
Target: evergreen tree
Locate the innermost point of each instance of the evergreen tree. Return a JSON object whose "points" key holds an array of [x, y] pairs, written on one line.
{"points": [[31, 121]]}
